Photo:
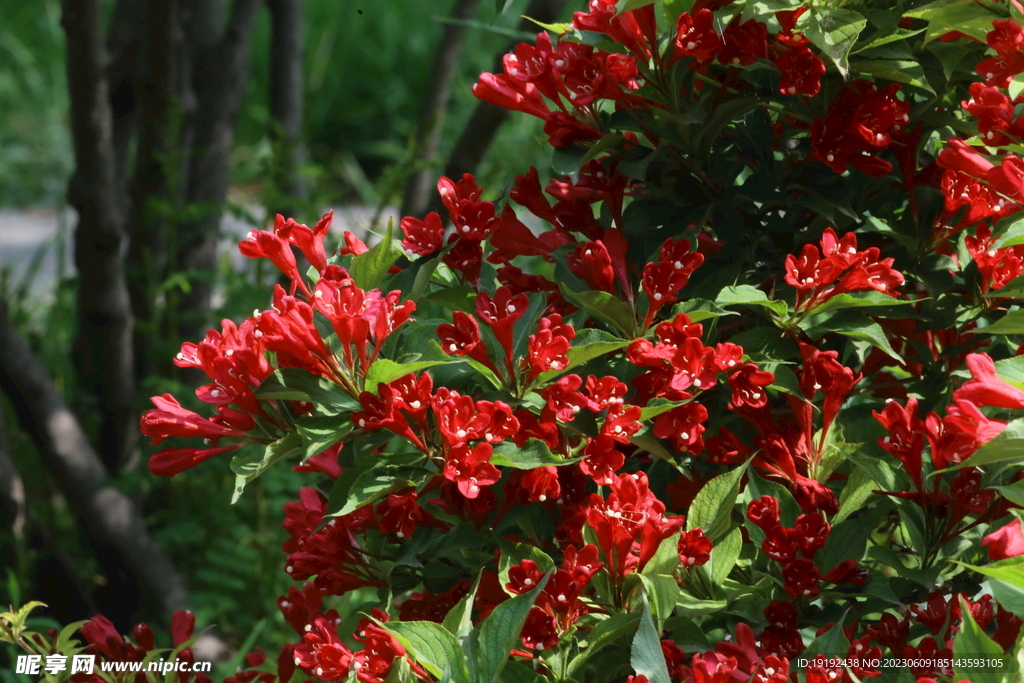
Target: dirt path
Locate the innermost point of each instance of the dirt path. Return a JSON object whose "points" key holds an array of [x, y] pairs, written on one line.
{"points": [[30, 234]]}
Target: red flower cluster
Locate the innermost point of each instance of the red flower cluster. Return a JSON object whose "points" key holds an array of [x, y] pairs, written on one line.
{"points": [[839, 268]]}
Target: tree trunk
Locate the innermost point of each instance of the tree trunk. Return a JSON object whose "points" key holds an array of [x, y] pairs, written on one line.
{"points": [[164, 100], [12, 490], [483, 125], [220, 77], [128, 556], [420, 185], [103, 342], [286, 103]]}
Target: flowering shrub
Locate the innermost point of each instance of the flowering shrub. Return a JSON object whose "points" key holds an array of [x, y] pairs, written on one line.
{"points": [[734, 397]]}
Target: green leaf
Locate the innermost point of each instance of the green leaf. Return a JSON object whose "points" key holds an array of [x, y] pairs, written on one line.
{"points": [[294, 384], [898, 70], [320, 433], [1010, 234], [666, 559], [1008, 446], [368, 269], [604, 306], [694, 607], [751, 296], [558, 28], [647, 657], [700, 309], [567, 160], [384, 371], [834, 32], [500, 632], [251, 462], [1011, 370], [629, 5], [724, 556], [1013, 493], [656, 407], [711, 509], [535, 453], [971, 641], [371, 480], [1011, 323], [944, 16], [855, 493], [865, 300], [662, 591], [849, 324], [459, 620], [588, 345], [513, 553], [1010, 570], [432, 646], [831, 642], [607, 632]]}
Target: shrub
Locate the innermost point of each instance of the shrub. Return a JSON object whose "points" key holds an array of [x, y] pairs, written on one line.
{"points": [[743, 409]]}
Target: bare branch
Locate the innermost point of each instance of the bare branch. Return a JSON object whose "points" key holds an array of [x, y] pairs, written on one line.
{"points": [[103, 345]]}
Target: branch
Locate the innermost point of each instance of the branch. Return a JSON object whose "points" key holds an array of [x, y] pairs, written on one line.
{"points": [[483, 125], [103, 345], [435, 104], [111, 518]]}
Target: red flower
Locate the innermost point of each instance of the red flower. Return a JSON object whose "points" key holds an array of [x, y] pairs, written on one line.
{"points": [[764, 512], [423, 237], [748, 384], [322, 653], [800, 578], [801, 72], [985, 388], [694, 548], [470, 470], [1005, 542], [744, 43], [540, 484], [696, 36], [590, 261]]}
